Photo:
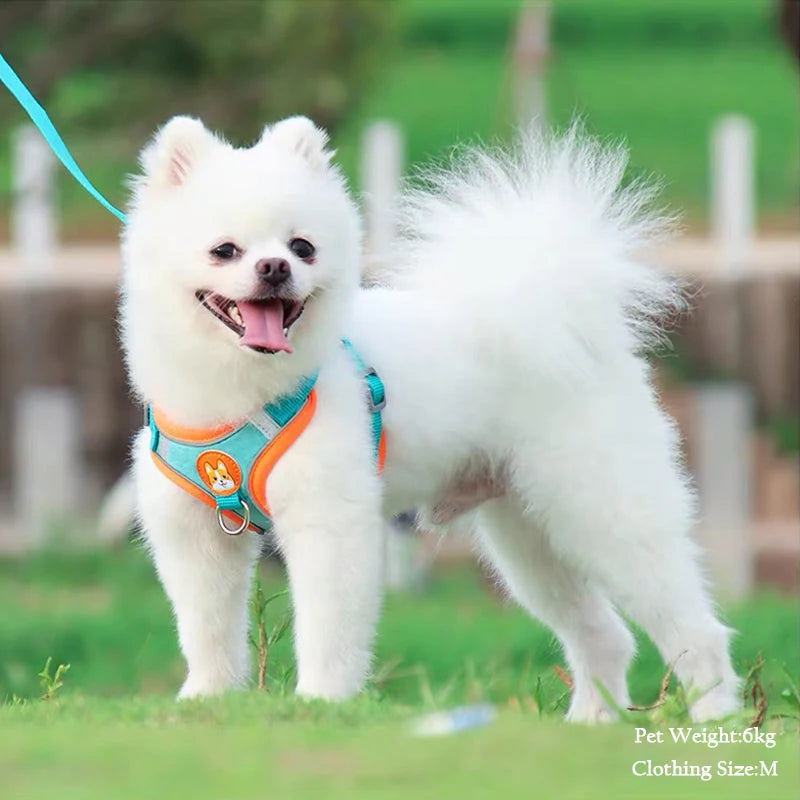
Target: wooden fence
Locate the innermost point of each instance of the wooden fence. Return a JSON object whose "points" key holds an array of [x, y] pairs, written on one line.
{"points": [[65, 404], [51, 339]]}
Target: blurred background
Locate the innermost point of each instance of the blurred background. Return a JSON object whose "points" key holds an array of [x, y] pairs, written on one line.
{"points": [[705, 93]]}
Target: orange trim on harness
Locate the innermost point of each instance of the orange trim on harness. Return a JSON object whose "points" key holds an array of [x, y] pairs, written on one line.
{"points": [[183, 433], [381, 451], [268, 457]]}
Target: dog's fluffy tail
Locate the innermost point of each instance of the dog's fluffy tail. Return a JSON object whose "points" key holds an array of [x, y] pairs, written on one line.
{"points": [[536, 246]]}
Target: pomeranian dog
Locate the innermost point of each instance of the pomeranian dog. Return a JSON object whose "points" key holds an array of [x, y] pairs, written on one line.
{"points": [[509, 330]]}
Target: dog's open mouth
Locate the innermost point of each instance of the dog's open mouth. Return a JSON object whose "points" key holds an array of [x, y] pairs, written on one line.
{"points": [[261, 323]]}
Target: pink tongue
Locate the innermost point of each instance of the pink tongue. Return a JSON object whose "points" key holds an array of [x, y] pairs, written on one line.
{"points": [[263, 324]]}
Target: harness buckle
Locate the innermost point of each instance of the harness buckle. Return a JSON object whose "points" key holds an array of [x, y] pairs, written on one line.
{"points": [[377, 394]]}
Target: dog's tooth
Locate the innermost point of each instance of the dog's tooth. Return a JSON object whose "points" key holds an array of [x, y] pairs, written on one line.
{"points": [[235, 314], [285, 331]]}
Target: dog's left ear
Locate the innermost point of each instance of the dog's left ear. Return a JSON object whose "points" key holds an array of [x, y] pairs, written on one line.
{"points": [[175, 150], [300, 135]]}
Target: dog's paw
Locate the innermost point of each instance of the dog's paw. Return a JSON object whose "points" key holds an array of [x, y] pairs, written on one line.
{"points": [[329, 688], [331, 694], [591, 714], [196, 688], [591, 710], [589, 707], [715, 704]]}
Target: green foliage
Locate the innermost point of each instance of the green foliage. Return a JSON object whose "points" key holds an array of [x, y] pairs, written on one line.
{"points": [[266, 636], [656, 73], [127, 66], [785, 434], [51, 683], [106, 615], [791, 693], [702, 24], [486, 24], [454, 643], [663, 103]]}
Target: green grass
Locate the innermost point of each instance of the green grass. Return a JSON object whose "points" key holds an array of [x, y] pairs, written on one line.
{"points": [[245, 747], [486, 24], [106, 615], [114, 730]]}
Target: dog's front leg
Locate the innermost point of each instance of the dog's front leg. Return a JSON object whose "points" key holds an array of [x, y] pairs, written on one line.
{"points": [[329, 530], [206, 575], [333, 558]]}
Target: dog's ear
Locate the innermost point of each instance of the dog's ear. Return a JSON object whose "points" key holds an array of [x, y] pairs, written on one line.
{"points": [[300, 135], [175, 150], [221, 467], [209, 470]]}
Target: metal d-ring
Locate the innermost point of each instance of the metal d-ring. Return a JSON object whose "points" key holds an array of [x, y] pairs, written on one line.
{"points": [[242, 527]]}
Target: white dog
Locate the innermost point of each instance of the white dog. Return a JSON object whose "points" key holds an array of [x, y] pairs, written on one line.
{"points": [[508, 334]]}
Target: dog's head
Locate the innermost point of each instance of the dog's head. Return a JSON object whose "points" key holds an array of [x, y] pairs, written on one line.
{"points": [[240, 253]]}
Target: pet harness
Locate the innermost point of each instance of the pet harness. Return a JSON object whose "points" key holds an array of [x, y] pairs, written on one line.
{"points": [[227, 467]]}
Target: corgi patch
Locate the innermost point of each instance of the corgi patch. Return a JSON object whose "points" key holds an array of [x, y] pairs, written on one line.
{"points": [[219, 472]]}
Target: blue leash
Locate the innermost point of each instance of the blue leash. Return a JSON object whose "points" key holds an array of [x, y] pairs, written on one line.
{"points": [[40, 119]]}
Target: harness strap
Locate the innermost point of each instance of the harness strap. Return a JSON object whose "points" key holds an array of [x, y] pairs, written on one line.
{"points": [[376, 399], [286, 407]]}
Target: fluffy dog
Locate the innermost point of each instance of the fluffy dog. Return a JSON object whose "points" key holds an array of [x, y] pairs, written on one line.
{"points": [[509, 333]]}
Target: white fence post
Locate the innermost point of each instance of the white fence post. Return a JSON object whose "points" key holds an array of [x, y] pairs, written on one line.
{"points": [[33, 217], [48, 473], [732, 188], [49, 483], [722, 426], [530, 59], [381, 173]]}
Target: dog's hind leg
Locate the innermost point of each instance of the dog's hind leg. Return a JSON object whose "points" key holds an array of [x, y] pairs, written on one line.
{"points": [[621, 513], [597, 644], [207, 576], [658, 584]]}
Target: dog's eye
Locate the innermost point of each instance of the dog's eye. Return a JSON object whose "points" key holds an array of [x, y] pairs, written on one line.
{"points": [[226, 251], [302, 248]]}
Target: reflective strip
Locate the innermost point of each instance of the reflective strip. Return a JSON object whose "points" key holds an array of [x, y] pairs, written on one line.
{"points": [[163, 448], [265, 424]]}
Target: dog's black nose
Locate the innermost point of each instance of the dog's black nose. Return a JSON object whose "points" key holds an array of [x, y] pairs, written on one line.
{"points": [[273, 270]]}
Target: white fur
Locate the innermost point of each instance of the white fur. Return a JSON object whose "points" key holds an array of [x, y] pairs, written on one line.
{"points": [[508, 332]]}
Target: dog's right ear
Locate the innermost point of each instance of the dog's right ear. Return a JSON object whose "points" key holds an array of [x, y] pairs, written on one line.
{"points": [[175, 150], [301, 136]]}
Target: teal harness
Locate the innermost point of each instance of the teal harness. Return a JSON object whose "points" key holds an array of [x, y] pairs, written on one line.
{"points": [[227, 467]]}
